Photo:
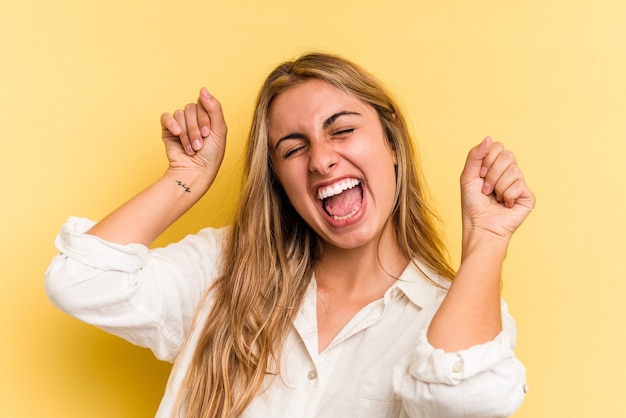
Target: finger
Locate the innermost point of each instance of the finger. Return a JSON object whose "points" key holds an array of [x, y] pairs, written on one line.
{"points": [[492, 154], [179, 115], [509, 186], [512, 193], [474, 161], [217, 124], [169, 124], [204, 121], [495, 164], [191, 119]]}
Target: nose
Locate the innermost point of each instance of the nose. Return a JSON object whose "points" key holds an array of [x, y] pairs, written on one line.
{"points": [[322, 157]]}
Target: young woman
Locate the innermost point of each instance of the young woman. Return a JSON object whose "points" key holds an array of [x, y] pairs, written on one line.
{"points": [[330, 294]]}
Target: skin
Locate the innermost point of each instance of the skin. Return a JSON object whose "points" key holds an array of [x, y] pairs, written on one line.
{"points": [[495, 201]]}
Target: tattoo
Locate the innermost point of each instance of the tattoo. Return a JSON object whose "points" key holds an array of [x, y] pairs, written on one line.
{"points": [[183, 185]]}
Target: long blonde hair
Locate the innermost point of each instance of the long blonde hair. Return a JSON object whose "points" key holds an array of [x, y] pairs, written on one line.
{"points": [[271, 251]]}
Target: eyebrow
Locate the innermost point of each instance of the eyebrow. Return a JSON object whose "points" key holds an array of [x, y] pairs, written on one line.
{"points": [[336, 116], [329, 121]]}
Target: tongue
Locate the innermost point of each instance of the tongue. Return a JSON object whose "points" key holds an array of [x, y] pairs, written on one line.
{"points": [[343, 203]]}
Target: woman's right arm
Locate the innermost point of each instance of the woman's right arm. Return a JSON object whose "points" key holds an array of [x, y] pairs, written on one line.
{"points": [[195, 140]]}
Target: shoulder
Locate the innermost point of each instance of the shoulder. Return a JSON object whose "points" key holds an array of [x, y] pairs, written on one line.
{"points": [[426, 273], [422, 285]]}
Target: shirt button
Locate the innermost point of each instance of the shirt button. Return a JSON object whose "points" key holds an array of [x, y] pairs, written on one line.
{"points": [[525, 388], [457, 367], [392, 294], [312, 375]]}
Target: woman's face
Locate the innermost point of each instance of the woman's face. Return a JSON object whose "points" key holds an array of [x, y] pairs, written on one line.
{"points": [[332, 157]]}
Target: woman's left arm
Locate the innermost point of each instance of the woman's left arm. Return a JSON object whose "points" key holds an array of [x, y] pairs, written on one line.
{"points": [[495, 201], [485, 380]]}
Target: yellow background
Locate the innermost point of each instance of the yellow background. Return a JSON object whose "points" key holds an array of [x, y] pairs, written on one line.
{"points": [[83, 83]]}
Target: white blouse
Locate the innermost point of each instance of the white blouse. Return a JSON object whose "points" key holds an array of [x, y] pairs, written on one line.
{"points": [[379, 365]]}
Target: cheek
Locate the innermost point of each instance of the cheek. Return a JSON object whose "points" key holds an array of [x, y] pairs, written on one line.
{"points": [[292, 184], [387, 178], [290, 191]]}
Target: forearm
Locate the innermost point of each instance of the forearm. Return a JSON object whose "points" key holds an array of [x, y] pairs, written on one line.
{"points": [[470, 313], [144, 217]]}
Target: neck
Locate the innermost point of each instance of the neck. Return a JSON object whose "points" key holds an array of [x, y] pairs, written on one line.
{"points": [[358, 269]]}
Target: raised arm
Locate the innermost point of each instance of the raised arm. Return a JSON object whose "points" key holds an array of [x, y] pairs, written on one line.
{"points": [[195, 139], [495, 201]]}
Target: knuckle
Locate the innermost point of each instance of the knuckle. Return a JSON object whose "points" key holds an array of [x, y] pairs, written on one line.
{"points": [[517, 172], [509, 156], [497, 146]]}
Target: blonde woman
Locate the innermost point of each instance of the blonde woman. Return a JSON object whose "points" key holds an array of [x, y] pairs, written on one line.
{"points": [[330, 294]]}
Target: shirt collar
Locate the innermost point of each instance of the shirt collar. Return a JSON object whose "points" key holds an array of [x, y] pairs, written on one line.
{"points": [[417, 282]]}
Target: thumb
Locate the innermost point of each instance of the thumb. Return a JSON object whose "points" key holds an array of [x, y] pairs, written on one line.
{"points": [[214, 109], [474, 167]]}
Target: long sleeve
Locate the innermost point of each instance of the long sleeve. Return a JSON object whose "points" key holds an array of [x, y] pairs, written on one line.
{"points": [[486, 380], [147, 297]]}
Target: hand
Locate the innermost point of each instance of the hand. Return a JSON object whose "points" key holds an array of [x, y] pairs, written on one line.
{"points": [[494, 196], [195, 138]]}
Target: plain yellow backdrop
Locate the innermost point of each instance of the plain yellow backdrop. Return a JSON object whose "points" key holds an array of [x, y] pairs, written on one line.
{"points": [[83, 83]]}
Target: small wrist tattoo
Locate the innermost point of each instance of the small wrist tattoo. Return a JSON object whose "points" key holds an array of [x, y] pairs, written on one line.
{"points": [[184, 186]]}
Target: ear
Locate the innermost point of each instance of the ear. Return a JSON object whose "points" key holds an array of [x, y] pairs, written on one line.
{"points": [[393, 146], [394, 152]]}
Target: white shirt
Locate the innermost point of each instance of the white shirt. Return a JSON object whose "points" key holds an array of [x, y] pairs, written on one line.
{"points": [[379, 365]]}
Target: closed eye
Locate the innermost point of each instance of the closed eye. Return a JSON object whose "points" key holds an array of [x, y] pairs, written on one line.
{"points": [[343, 132], [293, 151]]}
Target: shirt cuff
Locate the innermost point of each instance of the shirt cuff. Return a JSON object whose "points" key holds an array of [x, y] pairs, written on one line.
{"points": [[431, 365], [96, 252]]}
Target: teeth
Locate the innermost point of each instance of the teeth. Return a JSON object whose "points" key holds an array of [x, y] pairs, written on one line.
{"points": [[336, 188], [343, 218]]}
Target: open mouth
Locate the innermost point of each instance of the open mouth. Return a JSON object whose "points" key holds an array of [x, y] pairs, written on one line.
{"points": [[341, 200]]}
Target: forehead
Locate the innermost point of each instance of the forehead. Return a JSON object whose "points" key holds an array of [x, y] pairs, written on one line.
{"points": [[311, 102]]}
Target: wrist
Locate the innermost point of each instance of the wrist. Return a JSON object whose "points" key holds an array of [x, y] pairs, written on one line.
{"points": [[485, 243], [192, 182]]}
